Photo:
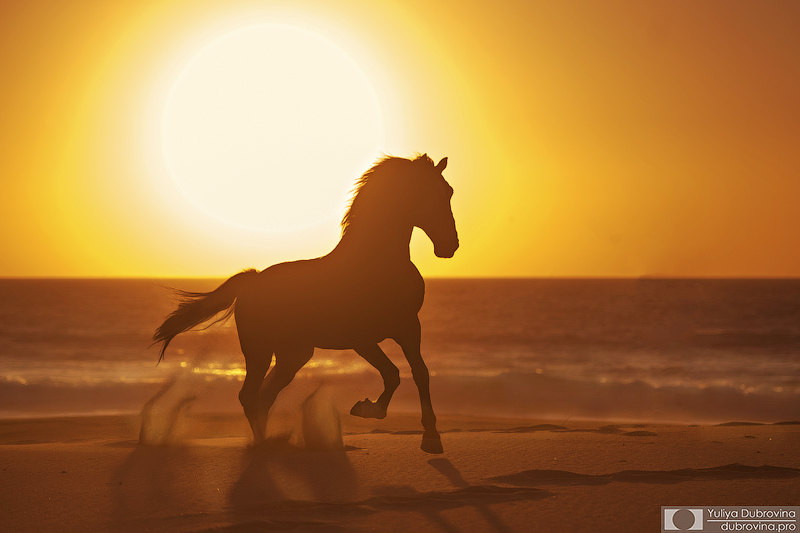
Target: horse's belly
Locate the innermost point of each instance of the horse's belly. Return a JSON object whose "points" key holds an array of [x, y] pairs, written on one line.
{"points": [[336, 327], [343, 332]]}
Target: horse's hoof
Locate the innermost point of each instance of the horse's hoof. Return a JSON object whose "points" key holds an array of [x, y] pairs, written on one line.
{"points": [[368, 409], [258, 443], [431, 443]]}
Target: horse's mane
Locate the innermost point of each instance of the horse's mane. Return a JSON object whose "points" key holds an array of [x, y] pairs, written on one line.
{"points": [[379, 172]]}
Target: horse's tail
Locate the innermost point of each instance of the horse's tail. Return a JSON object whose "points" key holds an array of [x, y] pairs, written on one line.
{"points": [[196, 307]]}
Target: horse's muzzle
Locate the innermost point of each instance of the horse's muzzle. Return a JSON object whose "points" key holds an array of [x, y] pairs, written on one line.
{"points": [[446, 252]]}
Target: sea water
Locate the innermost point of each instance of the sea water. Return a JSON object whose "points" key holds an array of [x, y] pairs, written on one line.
{"points": [[646, 349]]}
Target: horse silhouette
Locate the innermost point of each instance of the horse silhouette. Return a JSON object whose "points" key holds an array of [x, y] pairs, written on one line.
{"points": [[364, 291]]}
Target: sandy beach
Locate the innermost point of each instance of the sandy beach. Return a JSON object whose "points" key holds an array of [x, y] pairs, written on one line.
{"points": [[92, 474]]}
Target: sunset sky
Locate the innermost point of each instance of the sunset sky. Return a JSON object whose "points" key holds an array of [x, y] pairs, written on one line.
{"points": [[584, 138]]}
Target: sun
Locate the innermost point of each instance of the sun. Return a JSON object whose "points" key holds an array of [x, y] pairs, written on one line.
{"points": [[267, 127]]}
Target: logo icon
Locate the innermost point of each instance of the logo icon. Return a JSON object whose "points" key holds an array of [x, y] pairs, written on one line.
{"points": [[683, 519]]}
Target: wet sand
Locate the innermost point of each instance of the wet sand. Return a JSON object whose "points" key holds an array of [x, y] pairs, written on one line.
{"points": [[91, 474]]}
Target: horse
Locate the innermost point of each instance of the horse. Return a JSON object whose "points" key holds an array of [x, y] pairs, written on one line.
{"points": [[364, 291]]}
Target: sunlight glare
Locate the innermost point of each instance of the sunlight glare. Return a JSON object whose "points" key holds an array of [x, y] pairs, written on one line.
{"points": [[268, 126]]}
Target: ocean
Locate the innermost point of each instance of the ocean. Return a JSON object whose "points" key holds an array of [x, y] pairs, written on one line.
{"points": [[651, 350]]}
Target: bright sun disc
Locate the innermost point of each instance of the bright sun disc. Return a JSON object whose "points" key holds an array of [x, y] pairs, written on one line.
{"points": [[268, 127]]}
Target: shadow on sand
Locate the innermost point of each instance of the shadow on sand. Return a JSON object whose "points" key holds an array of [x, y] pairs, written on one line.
{"points": [[150, 484], [729, 472], [276, 472], [160, 485], [281, 486]]}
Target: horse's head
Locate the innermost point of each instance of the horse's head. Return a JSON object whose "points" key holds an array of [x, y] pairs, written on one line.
{"points": [[398, 193], [430, 209]]}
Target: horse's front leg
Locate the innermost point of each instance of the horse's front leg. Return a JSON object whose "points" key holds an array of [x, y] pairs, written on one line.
{"points": [[409, 341], [373, 354]]}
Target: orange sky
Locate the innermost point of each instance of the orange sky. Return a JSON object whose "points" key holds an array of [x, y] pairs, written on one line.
{"points": [[585, 138]]}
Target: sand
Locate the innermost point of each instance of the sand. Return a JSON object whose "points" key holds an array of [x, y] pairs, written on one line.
{"points": [[91, 474]]}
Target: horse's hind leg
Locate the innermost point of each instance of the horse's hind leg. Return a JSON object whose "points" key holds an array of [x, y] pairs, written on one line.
{"points": [[287, 363], [391, 380], [257, 362], [409, 341]]}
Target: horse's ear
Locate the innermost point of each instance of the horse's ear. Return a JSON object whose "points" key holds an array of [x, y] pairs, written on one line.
{"points": [[442, 164]]}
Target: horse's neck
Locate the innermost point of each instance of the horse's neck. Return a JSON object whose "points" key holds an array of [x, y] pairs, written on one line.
{"points": [[375, 242]]}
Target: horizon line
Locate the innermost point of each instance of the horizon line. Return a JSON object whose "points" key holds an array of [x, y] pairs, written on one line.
{"points": [[645, 277]]}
